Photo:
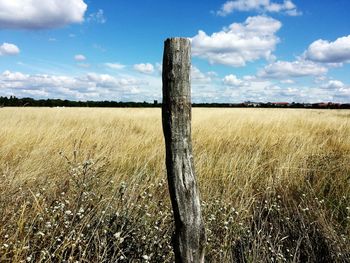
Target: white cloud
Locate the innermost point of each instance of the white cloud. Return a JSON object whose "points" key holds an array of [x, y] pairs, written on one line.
{"points": [[334, 85], [333, 90], [13, 76], [295, 69], [267, 91], [79, 58], [97, 17], [146, 68], [294, 12], [212, 74], [287, 81], [239, 43], [106, 80], [288, 7], [232, 80], [7, 49], [159, 68], [116, 66], [329, 52], [94, 86], [89, 86], [198, 77], [39, 14]]}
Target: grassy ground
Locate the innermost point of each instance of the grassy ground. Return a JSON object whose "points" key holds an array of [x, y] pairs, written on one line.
{"points": [[89, 185]]}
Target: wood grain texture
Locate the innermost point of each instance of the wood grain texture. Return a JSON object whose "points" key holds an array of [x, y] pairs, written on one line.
{"points": [[189, 239]]}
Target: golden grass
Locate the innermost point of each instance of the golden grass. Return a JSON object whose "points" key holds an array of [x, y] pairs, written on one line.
{"points": [[274, 184]]}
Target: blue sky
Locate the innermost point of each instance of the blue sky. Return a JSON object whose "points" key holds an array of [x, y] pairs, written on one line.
{"points": [[257, 50]]}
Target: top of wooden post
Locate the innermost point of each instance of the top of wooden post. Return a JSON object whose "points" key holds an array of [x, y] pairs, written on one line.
{"points": [[178, 39], [177, 69], [177, 43]]}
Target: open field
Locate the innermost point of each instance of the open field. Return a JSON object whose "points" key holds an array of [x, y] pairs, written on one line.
{"points": [[89, 185]]}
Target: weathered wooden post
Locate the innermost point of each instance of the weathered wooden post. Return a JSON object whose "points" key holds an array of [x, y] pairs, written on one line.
{"points": [[189, 238]]}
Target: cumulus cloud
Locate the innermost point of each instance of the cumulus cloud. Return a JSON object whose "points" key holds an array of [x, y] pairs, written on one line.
{"points": [[334, 90], [38, 14], [7, 49], [295, 69], [12, 76], [334, 85], [232, 80], [116, 66], [93, 86], [145, 68], [159, 68], [287, 81], [199, 77], [261, 90], [79, 58], [252, 89], [106, 80], [329, 52], [89, 86], [239, 43], [287, 7]]}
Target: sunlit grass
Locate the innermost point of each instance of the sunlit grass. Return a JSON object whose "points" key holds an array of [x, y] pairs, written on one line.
{"points": [[90, 184]]}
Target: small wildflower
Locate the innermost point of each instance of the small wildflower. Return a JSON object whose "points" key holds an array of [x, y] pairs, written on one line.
{"points": [[68, 212], [40, 233]]}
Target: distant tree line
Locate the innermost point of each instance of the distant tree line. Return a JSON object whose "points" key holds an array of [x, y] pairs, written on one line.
{"points": [[13, 101]]}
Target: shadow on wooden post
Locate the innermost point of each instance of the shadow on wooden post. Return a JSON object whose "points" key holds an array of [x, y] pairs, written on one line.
{"points": [[189, 238]]}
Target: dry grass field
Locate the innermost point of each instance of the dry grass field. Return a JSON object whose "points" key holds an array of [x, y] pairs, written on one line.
{"points": [[89, 185]]}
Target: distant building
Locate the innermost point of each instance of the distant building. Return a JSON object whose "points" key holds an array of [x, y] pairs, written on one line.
{"points": [[323, 104], [283, 104], [251, 104]]}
